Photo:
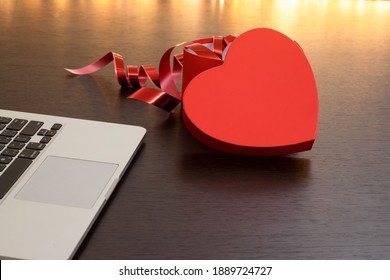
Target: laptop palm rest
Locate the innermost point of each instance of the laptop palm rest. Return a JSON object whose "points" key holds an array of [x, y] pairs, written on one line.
{"points": [[68, 182]]}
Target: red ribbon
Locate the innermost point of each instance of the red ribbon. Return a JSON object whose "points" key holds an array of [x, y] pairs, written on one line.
{"points": [[164, 93]]}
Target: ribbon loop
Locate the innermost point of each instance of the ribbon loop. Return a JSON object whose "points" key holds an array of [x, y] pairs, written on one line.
{"points": [[156, 97], [164, 92], [148, 72], [218, 44]]}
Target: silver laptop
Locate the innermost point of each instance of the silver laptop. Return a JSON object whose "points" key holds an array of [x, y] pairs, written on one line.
{"points": [[55, 176]]}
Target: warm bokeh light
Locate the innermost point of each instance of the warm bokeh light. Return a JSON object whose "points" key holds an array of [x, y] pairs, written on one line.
{"points": [[298, 18], [280, 13]]}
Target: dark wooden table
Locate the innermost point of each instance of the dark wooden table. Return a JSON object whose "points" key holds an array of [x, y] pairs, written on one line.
{"points": [[182, 200]]}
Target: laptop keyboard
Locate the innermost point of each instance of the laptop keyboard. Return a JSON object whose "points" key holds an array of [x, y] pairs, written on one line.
{"points": [[21, 141]]}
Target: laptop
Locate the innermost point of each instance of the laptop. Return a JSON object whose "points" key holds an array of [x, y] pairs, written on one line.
{"points": [[56, 174]]}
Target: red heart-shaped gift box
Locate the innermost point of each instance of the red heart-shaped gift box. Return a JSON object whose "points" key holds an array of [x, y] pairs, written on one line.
{"points": [[262, 100]]}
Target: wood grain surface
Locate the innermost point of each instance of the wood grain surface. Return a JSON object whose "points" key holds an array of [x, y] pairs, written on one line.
{"points": [[182, 200]]}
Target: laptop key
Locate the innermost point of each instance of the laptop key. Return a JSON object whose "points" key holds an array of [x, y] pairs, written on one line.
{"points": [[5, 159], [42, 132], [5, 120], [5, 139], [9, 133], [17, 124], [2, 125], [9, 152], [12, 174], [22, 138], [35, 146], [31, 128], [29, 154], [51, 133], [56, 126], [15, 145], [2, 166], [44, 140]]}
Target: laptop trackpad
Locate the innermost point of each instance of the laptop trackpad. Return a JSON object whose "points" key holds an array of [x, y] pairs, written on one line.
{"points": [[68, 182]]}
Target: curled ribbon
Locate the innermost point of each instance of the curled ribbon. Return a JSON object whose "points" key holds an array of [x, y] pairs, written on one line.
{"points": [[198, 56]]}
